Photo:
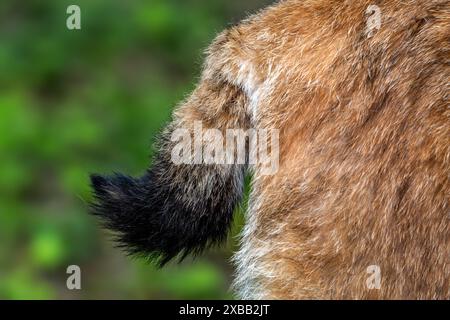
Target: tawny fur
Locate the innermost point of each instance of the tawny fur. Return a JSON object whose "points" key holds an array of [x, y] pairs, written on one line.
{"points": [[364, 147], [365, 150]]}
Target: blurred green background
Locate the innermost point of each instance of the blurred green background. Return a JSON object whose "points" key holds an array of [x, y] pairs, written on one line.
{"points": [[92, 100]]}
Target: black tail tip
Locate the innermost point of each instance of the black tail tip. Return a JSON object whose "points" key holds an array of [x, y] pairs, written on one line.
{"points": [[99, 184], [115, 197], [101, 202]]}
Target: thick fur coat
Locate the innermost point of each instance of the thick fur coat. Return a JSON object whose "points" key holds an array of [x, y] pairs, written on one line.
{"points": [[364, 157]]}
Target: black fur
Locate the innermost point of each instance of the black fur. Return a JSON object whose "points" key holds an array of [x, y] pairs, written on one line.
{"points": [[171, 211]]}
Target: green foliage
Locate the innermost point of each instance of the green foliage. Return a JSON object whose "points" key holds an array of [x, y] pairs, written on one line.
{"points": [[76, 102]]}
